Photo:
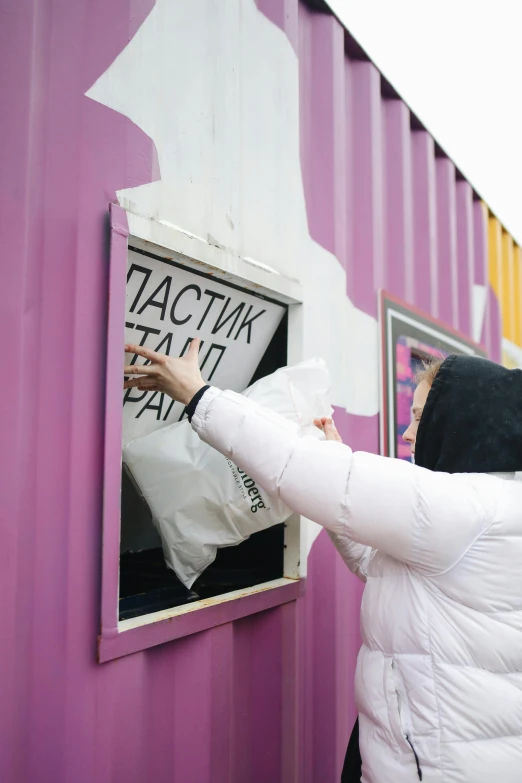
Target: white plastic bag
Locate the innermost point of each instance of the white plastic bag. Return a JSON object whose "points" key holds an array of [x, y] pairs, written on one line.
{"points": [[199, 499]]}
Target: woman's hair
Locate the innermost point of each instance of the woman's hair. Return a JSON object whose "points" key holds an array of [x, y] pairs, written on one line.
{"points": [[429, 371]]}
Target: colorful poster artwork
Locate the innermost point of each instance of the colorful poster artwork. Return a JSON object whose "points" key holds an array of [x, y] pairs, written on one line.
{"points": [[409, 355]]}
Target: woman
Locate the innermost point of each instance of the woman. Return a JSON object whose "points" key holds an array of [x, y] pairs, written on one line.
{"points": [[439, 675], [352, 767]]}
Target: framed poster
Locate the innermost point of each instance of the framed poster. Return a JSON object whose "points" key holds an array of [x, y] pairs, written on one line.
{"points": [[167, 305], [409, 337]]}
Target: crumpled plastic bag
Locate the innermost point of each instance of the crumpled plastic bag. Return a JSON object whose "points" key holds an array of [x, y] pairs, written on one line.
{"points": [[199, 500]]}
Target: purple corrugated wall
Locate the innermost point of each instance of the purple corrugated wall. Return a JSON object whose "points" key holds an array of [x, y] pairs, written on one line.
{"points": [[268, 698]]}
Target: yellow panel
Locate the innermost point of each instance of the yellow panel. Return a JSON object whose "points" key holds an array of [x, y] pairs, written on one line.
{"points": [[517, 285], [495, 257], [507, 302]]}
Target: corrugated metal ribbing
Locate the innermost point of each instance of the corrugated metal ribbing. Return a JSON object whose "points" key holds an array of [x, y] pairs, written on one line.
{"points": [[508, 301], [465, 254], [366, 263], [325, 156], [517, 285], [504, 272], [495, 326], [447, 242], [480, 271], [495, 257], [425, 222], [399, 243], [321, 47], [496, 285]]}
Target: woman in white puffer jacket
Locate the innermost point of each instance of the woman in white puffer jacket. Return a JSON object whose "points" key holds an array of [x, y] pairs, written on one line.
{"points": [[439, 675]]}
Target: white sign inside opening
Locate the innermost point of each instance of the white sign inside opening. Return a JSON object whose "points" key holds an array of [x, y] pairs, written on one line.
{"points": [[167, 305]]}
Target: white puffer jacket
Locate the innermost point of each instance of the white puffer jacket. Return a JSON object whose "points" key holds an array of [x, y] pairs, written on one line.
{"points": [[439, 675]]}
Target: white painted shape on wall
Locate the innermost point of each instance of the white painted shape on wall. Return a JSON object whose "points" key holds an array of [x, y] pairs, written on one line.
{"points": [[216, 86], [479, 296]]}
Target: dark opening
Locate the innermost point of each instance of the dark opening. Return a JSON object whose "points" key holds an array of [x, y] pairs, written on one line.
{"points": [[147, 585]]}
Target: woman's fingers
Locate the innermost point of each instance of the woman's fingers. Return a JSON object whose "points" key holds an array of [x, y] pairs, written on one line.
{"points": [[140, 369], [140, 350], [328, 427], [193, 350], [324, 422], [330, 431], [140, 383]]}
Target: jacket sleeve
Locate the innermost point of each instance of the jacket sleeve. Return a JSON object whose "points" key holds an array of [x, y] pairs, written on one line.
{"points": [[425, 519], [356, 556]]}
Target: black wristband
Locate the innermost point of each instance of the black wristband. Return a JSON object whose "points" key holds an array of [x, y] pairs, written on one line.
{"points": [[193, 404]]}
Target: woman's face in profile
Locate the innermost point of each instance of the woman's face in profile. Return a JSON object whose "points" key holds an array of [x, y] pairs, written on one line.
{"points": [[419, 401]]}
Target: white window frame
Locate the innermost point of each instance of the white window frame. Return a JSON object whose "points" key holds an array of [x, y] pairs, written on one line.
{"points": [[172, 243]]}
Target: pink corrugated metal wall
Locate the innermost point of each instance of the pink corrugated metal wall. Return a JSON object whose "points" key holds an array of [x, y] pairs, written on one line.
{"points": [[268, 698]]}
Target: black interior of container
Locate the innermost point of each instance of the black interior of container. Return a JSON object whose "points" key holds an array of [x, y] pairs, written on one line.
{"points": [[147, 585]]}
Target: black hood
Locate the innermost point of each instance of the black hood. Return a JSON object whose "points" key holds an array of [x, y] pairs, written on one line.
{"points": [[472, 420]]}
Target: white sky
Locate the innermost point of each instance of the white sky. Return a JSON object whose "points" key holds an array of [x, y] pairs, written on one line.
{"points": [[458, 65]]}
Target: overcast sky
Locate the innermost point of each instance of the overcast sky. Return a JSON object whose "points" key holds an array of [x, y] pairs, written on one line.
{"points": [[458, 65]]}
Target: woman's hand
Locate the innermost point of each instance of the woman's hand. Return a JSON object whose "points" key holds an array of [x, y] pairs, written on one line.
{"points": [[179, 378], [329, 429]]}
